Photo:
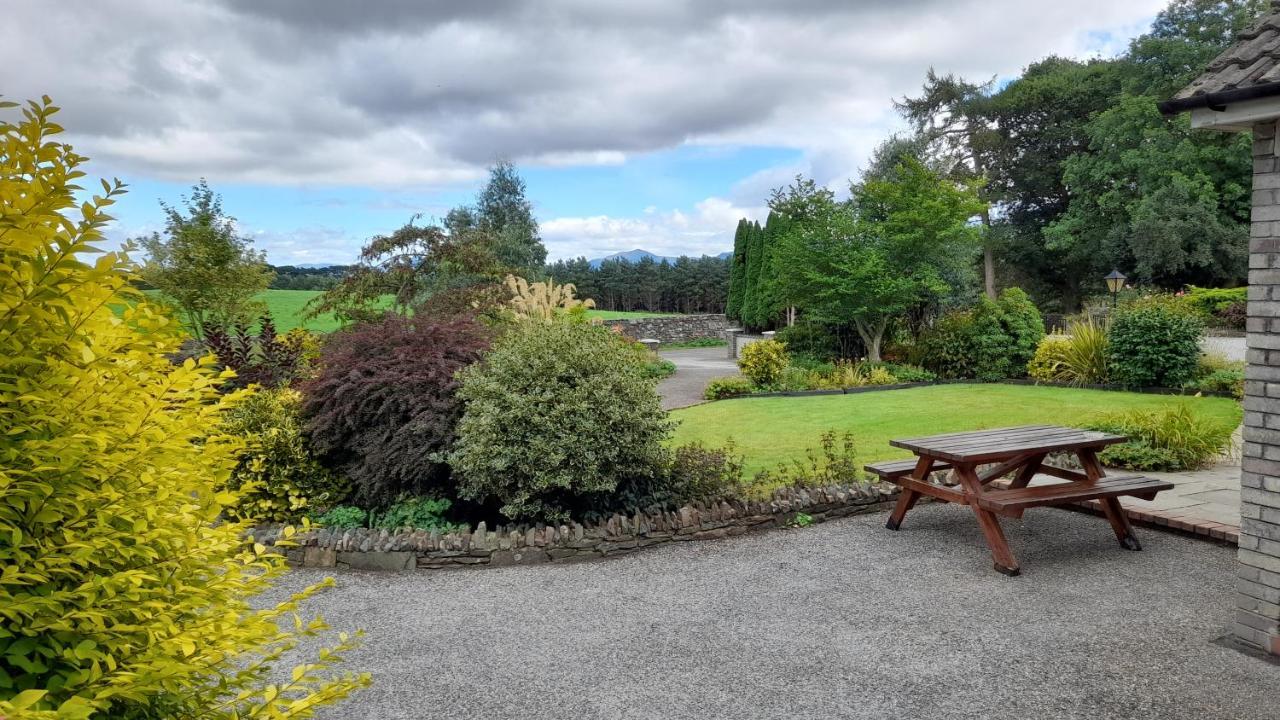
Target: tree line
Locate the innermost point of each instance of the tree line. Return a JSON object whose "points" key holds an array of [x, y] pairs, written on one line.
{"points": [[1079, 173], [689, 285], [1075, 170]]}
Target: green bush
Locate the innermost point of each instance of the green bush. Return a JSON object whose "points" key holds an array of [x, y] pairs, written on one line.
{"points": [[1023, 325], [1170, 439], [277, 479], [763, 361], [1210, 302], [810, 363], [910, 373], [991, 341], [1154, 344], [1215, 373], [342, 517], [419, 513], [659, 368], [691, 473], [727, 387], [810, 339], [1079, 358], [558, 418], [1046, 364], [945, 348]]}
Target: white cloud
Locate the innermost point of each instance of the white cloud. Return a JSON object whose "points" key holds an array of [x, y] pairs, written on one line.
{"points": [[405, 93], [706, 230], [408, 94]]}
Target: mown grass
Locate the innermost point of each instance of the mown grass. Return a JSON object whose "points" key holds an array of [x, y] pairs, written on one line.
{"points": [[771, 430], [286, 308]]}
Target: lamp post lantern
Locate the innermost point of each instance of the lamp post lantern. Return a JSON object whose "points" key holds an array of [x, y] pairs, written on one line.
{"points": [[1115, 283]]}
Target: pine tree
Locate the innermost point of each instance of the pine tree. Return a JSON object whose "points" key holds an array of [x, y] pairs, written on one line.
{"points": [[751, 300], [738, 271]]}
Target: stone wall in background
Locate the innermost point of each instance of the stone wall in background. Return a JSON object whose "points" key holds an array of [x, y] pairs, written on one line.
{"points": [[366, 549], [673, 328]]}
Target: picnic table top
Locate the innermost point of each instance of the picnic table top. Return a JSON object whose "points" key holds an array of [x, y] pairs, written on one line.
{"points": [[977, 446]]}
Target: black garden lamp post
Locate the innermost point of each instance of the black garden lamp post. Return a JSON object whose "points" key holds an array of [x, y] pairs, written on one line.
{"points": [[1115, 283]]}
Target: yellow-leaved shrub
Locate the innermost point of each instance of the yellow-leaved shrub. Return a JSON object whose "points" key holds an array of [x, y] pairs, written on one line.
{"points": [[121, 595]]}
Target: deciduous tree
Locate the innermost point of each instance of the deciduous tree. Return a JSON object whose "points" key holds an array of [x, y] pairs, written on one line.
{"points": [[203, 265]]}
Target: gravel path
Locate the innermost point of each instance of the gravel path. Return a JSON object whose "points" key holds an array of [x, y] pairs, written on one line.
{"points": [[1232, 348], [844, 619], [695, 368]]}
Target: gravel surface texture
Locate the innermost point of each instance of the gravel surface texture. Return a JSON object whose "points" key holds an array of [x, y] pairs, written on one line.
{"points": [[695, 367], [844, 619]]}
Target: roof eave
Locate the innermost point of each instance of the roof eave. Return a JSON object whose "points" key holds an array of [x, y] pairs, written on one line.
{"points": [[1219, 100]]}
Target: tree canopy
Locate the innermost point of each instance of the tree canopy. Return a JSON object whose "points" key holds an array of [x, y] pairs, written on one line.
{"points": [[203, 266], [897, 243]]}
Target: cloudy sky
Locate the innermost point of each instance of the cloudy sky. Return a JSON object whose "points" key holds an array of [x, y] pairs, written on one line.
{"points": [[651, 124]]}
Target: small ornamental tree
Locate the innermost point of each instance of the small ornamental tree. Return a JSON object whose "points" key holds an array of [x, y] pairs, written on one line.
{"points": [[382, 407], [121, 595], [559, 419], [203, 266]]}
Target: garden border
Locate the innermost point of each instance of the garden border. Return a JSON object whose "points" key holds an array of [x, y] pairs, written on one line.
{"points": [[374, 549], [1009, 381]]}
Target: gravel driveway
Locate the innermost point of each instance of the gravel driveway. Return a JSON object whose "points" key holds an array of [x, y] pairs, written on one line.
{"points": [[844, 619], [695, 367]]}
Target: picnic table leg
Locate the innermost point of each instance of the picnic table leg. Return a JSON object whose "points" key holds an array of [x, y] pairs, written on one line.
{"points": [[907, 499], [1005, 562], [1110, 506]]}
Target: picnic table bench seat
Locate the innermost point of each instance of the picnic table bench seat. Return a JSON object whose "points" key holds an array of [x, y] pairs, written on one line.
{"points": [[1012, 501], [894, 469], [980, 459]]}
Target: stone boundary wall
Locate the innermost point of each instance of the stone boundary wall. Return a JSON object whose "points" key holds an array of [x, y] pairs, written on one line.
{"points": [[367, 549], [672, 328]]}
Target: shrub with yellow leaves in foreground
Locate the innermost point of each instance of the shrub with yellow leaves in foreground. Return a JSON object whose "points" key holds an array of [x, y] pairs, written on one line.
{"points": [[121, 595]]}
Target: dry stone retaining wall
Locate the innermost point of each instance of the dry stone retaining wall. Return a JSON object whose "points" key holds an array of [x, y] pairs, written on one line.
{"points": [[368, 549], [673, 328]]}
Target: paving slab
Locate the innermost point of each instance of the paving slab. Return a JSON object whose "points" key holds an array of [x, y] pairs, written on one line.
{"points": [[843, 620]]}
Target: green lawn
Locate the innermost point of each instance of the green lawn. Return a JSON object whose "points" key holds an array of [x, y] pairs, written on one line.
{"points": [[286, 306], [625, 314], [776, 429]]}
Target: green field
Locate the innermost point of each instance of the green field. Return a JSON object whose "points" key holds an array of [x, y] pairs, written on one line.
{"points": [[777, 429], [286, 308]]}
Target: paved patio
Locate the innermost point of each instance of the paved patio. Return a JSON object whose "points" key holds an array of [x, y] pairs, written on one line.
{"points": [[844, 620]]}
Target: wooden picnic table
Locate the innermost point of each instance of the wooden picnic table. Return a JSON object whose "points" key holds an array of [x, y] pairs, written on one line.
{"points": [[1020, 451]]}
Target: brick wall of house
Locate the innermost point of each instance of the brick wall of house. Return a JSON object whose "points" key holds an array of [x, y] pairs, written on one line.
{"points": [[1257, 621]]}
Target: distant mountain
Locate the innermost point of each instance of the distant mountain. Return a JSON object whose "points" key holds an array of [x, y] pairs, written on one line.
{"points": [[637, 255]]}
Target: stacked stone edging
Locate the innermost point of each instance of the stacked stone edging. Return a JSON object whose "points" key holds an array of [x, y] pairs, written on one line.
{"points": [[673, 328], [371, 549]]}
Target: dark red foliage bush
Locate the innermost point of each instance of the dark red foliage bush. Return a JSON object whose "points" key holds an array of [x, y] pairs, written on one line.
{"points": [[263, 359], [382, 409]]}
